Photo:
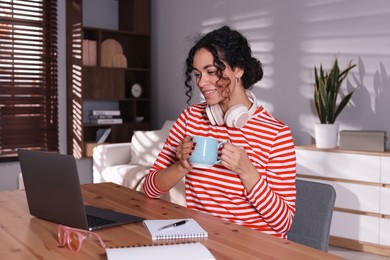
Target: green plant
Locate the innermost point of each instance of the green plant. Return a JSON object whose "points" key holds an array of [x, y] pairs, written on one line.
{"points": [[327, 88]]}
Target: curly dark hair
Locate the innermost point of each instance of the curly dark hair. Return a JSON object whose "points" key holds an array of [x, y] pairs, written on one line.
{"points": [[230, 47]]}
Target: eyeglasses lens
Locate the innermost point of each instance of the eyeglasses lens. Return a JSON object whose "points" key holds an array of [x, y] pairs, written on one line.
{"points": [[61, 236], [74, 241]]}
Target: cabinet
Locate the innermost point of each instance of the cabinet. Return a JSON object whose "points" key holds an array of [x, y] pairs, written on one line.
{"points": [[104, 87], [361, 220]]}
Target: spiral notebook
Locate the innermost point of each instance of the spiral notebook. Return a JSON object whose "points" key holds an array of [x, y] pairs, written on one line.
{"points": [[191, 229]]}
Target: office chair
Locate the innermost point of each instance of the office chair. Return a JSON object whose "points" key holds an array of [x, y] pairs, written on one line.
{"points": [[313, 216]]}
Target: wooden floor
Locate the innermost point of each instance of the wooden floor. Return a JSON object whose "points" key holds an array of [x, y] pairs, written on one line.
{"points": [[355, 255]]}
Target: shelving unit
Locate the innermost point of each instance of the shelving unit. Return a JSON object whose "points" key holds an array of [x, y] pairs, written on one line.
{"points": [[99, 85]]}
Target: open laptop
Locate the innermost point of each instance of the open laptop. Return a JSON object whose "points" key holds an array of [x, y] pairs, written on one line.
{"points": [[53, 192]]}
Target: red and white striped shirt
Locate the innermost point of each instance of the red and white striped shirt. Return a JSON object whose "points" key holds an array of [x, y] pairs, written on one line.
{"points": [[270, 205]]}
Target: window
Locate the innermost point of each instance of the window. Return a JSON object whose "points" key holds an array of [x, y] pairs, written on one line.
{"points": [[28, 76]]}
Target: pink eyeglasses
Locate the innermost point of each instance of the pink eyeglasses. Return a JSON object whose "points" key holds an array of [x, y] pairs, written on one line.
{"points": [[73, 237]]}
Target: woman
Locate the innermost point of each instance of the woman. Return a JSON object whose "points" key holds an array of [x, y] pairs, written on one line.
{"points": [[254, 185]]}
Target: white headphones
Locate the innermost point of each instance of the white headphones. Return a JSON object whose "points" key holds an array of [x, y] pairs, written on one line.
{"points": [[236, 116]]}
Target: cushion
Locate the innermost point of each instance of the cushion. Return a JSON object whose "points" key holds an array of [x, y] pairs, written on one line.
{"points": [[127, 175], [146, 145]]}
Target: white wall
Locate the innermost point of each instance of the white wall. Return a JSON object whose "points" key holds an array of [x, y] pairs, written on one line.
{"points": [[290, 38]]}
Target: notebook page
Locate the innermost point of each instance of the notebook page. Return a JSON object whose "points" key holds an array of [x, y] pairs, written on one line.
{"points": [[190, 251], [189, 230]]}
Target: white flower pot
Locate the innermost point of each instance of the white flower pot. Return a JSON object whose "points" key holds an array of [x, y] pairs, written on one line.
{"points": [[326, 135]]}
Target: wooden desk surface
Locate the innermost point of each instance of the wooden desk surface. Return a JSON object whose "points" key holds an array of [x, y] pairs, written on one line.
{"points": [[23, 236]]}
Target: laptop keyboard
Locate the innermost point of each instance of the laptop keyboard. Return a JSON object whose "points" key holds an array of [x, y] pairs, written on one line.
{"points": [[94, 221]]}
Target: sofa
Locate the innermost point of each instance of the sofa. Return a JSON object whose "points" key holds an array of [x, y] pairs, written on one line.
{"points": [[128, 163]]}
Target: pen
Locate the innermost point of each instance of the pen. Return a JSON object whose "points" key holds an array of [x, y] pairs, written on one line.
{"points": [[176, 224]]}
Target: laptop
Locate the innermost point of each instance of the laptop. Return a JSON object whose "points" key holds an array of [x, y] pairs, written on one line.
{"points": [[53, 193]]}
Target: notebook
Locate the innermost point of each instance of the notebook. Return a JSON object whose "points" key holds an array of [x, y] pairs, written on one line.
{"points": [[191, 229], [53, 193], [190, 251]]}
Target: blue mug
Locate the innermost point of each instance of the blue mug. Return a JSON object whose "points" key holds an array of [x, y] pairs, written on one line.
{"points": [[205, 154]]}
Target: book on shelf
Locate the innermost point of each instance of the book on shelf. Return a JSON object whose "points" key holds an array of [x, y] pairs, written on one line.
{"points": [[102, 134], [166, 229], [89, 52], [103, 117], [92, 53], [105, 113], [85, 56], [106, 121], [188, 251]]}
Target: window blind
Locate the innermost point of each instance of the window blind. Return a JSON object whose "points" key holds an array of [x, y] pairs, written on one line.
{"points": [[28, 76]]}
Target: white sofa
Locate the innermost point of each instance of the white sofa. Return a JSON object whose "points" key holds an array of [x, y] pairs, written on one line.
{"points": [[128, 163]]}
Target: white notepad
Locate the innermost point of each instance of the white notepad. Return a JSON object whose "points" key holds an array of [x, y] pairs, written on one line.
{"points": [[189, 230], [191, 251]]}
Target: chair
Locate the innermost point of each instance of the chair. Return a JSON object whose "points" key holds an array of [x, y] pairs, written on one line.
{"points": [[127, 163], [313, 217]]}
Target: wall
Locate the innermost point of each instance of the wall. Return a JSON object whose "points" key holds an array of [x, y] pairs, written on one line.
{"points": [[289, 38]]}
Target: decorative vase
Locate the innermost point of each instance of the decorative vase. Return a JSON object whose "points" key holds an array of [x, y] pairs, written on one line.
{"points": [[326, 135]]}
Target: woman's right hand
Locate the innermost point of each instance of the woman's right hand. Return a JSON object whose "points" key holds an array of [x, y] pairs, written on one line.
{"points": [[184, 151]]}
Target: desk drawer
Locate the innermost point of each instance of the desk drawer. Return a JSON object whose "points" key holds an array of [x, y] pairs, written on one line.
{"points": [[355, 167], [357, 227], [385, 201], [384, 238], [385, 170], [354, 196]]}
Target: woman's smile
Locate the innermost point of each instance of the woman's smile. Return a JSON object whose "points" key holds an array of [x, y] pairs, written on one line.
{"points": [[209, 93]]}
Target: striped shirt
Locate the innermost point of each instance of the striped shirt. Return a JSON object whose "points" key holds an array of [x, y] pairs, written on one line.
{"points": [[270, 205]]}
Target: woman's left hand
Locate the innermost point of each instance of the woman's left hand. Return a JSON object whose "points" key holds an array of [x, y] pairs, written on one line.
{"points": [[235, 159]]}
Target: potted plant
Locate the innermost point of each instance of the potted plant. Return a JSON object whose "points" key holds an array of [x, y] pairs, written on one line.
{"points": [[326, 95]]}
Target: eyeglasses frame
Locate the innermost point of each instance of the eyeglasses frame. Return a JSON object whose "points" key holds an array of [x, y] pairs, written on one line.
{"points": [[81, 234]]}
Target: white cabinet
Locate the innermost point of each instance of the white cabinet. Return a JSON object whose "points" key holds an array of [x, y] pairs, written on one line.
{"points": [[361, 219]]}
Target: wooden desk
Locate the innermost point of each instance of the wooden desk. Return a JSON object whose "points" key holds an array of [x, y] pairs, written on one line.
{"points": [[23, 236]]}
